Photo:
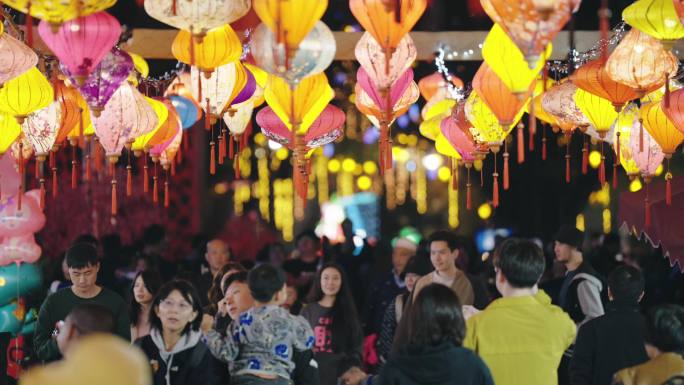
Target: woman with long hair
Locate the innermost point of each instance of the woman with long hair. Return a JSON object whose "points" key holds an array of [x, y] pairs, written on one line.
{"points": [[145, 286], [332, 315], [215, 293]]}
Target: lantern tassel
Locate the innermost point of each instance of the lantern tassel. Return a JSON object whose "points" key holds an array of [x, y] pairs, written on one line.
{"points": [[114, 201], [615, 176], [55, 184], [221, 148], [167, 197], [36, 170], [602, 171], [29, 27], [585, 158], [521, 145], [22, 175], [495, 190], [666, 98], [454, 177], [544, 143], [231, 151], [74, 168], [506, 183], [146, 175], [532, 127], [129, 180], [99, 156], [226, 141], [42, 193], [155, 187], [668, 185], [212, 160]]}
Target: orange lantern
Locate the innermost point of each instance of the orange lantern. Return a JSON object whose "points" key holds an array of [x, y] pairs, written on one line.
{"points": [[430, 85], [593, 78], [503, 103]]}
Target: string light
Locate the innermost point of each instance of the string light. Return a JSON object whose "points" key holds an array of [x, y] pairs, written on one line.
{"points": [[577, 59], [454, 92]]}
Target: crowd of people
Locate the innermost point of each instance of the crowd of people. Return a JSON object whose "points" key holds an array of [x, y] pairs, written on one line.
{"points": [[442, 314]]}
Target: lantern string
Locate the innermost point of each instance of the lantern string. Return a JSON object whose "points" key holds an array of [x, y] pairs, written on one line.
{"points": [[468, 193]]}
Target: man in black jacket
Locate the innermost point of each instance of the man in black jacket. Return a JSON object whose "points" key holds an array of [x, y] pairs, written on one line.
{"points": [[615, 340]]}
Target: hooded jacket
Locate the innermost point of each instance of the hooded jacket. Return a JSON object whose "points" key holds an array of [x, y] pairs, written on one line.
{"points": [[188, 363], [586, 295], [444, 364]]}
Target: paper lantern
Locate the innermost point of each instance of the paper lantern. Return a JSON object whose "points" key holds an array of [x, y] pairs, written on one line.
{"points": [[433, 116], [599, 111], [41, 128], [455, 130], [167, 151], [198, 17], [622, 132], [140, 64], [314, 54], [388, 22], [80, 44], [159, 132], [641, 62], [674, 109], [508, 63], [540, 113], [217, 91], [499, 98], [657, 18], [593, 78], [366, 105], [249, 91], [187, 110], [9, 132], [327, 128], [57, 12], [291, 21], [386, 99], [68, 98], [373, 58], [220, 46], [99, 87], [530, 24], [430, 85], [15, 58], [486, 128], [559, 102], [663, 131], [25, 94]]}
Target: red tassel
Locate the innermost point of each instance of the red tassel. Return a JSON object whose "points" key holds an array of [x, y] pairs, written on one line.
{"points": [[129, 180], [88, 173], [173, 7], [114, 201], [469, 200], [146, 175], [99, 156], [532, 127], [55, 186], [521, 145], [155, 190], [615, 176], [42, 194], [207, 117], [74, 168], [167, 197], [668, 189], [36, 170], [212, 156], [231, 151], [506, 184], [666, 98], [226, 141], [29, 27], [454, 178], [567, 168], [495, 200], [221, 154], [585, 158]]}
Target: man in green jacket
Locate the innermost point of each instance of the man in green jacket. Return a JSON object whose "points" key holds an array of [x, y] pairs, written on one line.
{"points": [[83, 264]]}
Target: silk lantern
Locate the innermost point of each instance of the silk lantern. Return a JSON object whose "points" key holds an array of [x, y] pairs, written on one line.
{"points": [[220, 46], [153, 137], [498, 97], [593, 78], [430, 85], [559, 102], [9, 132], [15, 58], [198, 17], [26, 93], [657, 18], [41, 128], [80, 44], [627, 120], [57, 12], [373, 58], [187, 110], [291, 21]]}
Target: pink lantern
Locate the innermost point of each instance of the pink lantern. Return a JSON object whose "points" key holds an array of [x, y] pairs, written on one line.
{"points": [[371, 56], [646, 152], [380, 98], [114, 125], [15, 58], [325, 129], [81, 43]]}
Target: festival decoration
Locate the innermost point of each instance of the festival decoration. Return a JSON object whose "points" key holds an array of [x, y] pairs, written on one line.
{"points": [[41, 129], [593, 78], [197, 17], [291, 21], [25, 94], [657, 18], [187, 110], [15, 58], [432, 86], [57, 12], [498, 97], [373, 57], [218, 47]]}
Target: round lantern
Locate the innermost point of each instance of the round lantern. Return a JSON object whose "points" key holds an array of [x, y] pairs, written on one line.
{"points": [[25, 94], [373, 59], [593, 78], [198, 17], [57, 12], [15, 58], [657, 18], [220, 46], [498, 97]]}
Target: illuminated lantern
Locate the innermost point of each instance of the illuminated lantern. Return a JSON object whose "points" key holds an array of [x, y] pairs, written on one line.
{"points": [[675, 110], [41, 128], [218, 91], [387, 21], [314, 54], [657, 18], [158, 133], [9, 132], [57, 12], [433, 116], [220, 46], [290, 20], [15, 58], [80, 44], [559, 102], [431, 85], [25, 94], [641, 62], [593, 78], [187, 110], [599, 111], [68, 98], [530, 24], [198, 17], [140, 64], [99, 87], [508, 63], [500, 100], [372, 58], [625, 123]]}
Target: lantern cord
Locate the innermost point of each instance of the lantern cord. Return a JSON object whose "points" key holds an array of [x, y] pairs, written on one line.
{"points": [[155, 187], [212, 154], [506, 179], [74, 167], [532, 128], [112, 168], [226, 140], [668, 185], [544, 142], [602, 171], [481, 176], [146, 175], [42, 193], [55, 184], [521, 144], [567, 159], [88, 173], [585, 156], [468, 193], [231, 151], [129, 176], [617, 148], [22, 175], [604, 25], [167, 197], [454, 176]]}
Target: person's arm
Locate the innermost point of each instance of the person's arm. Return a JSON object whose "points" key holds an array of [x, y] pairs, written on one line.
{"points": [[44, 345], [582, 363], [589, 298], [389, 326], [303, 334], [224, 348]]}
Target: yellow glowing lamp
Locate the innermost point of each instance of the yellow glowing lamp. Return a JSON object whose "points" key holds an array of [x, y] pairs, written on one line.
{"points": [[600, 112], [486, 128], [290, 20], [445, 148], [661, 128], [506, 60], [657, 18], [430, 126], [220, 46], [57, 12], [9, 132], [25, 94], [145, 142], [298, 107], [622, 134]]}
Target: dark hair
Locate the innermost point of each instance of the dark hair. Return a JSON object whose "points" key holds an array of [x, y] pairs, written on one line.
{"points": [[81, 255], [306, 234], [152, 282], [240, 276], [215, 294], [86, 238], [92, 318], [665, 328], [434, 318], [521, 261], [265, 281], [446, 236], [345, 317], [626, 283], [188, 292]]}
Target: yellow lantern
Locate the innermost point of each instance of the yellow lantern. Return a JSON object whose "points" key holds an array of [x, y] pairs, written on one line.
{"points": [[661, 128], [622, 137], [25, 94], [9, 132], [143, 143], [657, 18], [433, 116], [140, 64], [290, 20], [445, 148], [220, 46], [508, 62], [57, 12], [600, 112], [486, 128]]}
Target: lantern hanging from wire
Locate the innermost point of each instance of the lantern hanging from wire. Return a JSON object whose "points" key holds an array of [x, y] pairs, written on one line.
{"points": [[626, 122], [217, 91], [433, 114], [15, 58], [41, 128], [158, 133], [25, 94], [593, 78], [435, 85], [641, 62], [498, 97], [372, 58], [80, 44], [198, 17], [657, 18], [68, 98], [599, 111], [507, 61], [220, 46], [313, 55], [57, 12], [559, 102]]}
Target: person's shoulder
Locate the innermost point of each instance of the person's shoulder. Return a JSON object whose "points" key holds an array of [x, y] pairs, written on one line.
{"points": [[111, 295]]}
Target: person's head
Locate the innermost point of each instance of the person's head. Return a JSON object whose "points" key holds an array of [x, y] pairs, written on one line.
{"points": [[568, 244], [435, 317], [403, 249], [238, 297], [416, 267], [519, 264], [83, 264], [145, 286], [292, 296], [330, 281], [267, 284], [215, 293], [86, 238], [307, 243], [665, 330], [176, 308], [444, 249], [217, 254], [626, 285], [81, 321]]}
